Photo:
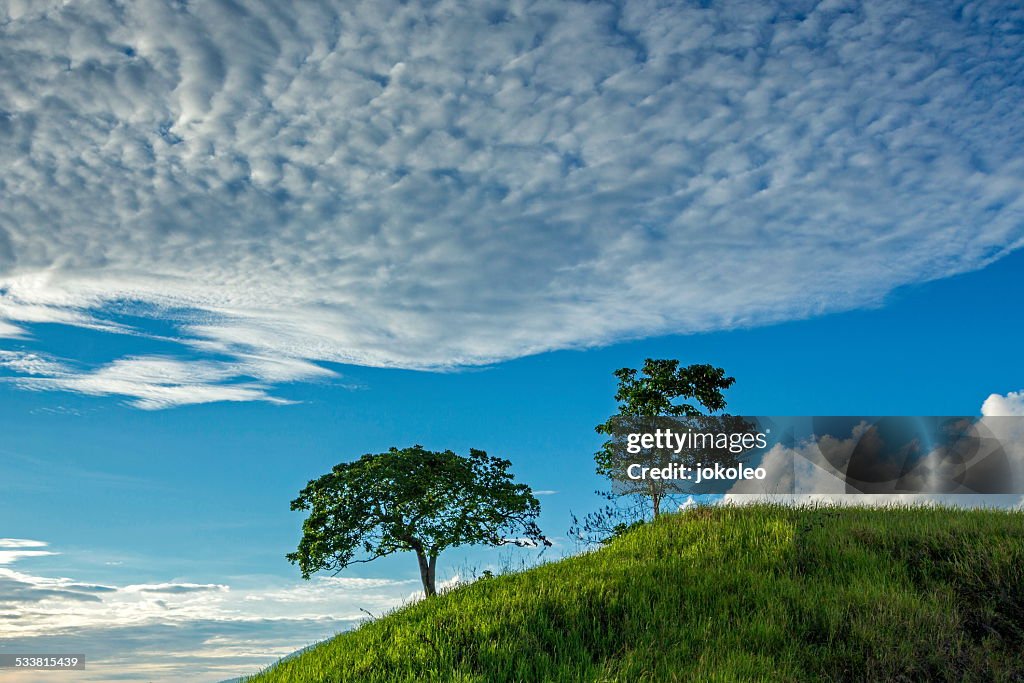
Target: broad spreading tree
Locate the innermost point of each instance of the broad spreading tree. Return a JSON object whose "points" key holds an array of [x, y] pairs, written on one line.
{"points": [[412, 499]]}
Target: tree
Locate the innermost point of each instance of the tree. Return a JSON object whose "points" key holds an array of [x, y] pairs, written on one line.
{"points": [[648, 399], [416, 500]]}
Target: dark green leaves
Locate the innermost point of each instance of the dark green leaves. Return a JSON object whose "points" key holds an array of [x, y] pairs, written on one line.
{"points": [[411, 499], [662, 389], [663, 382]]}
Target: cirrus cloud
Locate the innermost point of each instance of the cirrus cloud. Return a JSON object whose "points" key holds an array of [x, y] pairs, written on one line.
{"points": [[14, 549]]}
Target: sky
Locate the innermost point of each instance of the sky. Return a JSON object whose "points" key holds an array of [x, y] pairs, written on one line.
{"points": [[241, 242]]}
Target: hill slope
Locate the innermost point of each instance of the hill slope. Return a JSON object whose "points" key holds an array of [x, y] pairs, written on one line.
{"points": [[727, 594]]}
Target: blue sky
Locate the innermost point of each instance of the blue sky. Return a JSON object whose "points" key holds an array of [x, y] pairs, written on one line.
{"points": [[239, 243], [198, 496]]}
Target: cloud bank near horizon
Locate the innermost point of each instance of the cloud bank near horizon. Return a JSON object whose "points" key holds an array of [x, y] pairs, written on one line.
{"points": [[429, 185], [174, 629]]}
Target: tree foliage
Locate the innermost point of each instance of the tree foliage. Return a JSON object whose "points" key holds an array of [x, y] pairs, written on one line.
{"points": [[661, 389], [412, 499], [662, 383]]}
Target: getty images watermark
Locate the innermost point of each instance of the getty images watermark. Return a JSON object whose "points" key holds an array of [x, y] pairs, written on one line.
{"points": [[690, 441], [825, 454]]}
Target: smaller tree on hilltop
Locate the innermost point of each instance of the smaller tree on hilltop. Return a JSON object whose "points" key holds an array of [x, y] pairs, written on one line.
{"points": [[661, 391], [661, 394]]}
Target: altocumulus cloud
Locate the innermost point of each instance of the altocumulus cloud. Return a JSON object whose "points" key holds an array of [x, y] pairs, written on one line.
{"points": [[430, 185]]}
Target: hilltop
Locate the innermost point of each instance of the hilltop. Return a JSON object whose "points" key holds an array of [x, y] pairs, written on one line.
{"points": [[722, 593]]}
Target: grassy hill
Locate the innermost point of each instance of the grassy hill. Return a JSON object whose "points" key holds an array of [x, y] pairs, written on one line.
{"points": [[723, 594]]}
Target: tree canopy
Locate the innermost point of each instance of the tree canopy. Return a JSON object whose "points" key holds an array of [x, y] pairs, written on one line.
{"points": [[661, 389], [662, 382], [412, 499]]}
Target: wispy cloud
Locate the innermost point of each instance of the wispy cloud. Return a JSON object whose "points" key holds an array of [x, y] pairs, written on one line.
{"points": [[21, 543], [14, 549], [153, 382], [10, 331], [28, 363], [376, 183], [176, 588]]}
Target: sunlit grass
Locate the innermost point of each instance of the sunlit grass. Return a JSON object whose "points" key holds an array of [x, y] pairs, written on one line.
{"points": [[723, 594]]}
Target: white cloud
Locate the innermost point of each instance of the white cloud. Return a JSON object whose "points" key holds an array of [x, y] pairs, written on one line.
{"points": [[1009, 405], [394, 185], [175, 588], [28, 363], [154, 382], [21, 543], [10, 331], [14, 549], [182, 629], [12, 556], [802, 469]]}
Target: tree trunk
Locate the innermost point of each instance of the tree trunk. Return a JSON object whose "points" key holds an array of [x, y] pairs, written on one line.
{"points": [[427, 572], [655, 499], [431, 569]]}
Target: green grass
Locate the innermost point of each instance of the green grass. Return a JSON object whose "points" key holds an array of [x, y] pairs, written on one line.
{"points": [[755, 593]]}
